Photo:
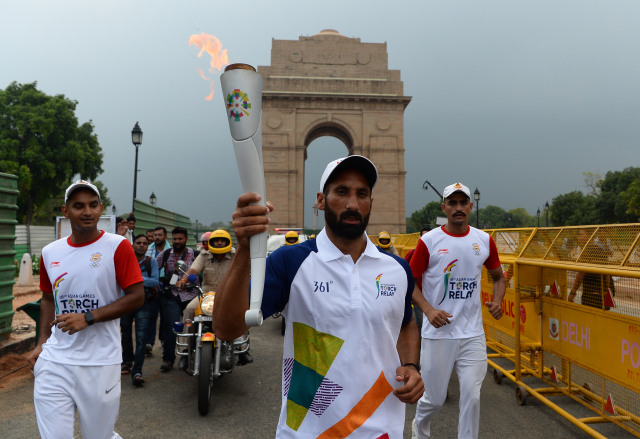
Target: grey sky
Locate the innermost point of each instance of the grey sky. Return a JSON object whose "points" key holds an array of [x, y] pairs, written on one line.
{"points": [[515, 98]]}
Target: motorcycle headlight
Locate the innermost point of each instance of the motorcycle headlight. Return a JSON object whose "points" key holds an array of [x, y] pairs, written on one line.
{"points": [[207, 305]]}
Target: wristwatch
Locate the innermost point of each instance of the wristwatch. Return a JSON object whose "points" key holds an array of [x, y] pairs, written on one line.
{"points": [[414, 365], [88, 316]]}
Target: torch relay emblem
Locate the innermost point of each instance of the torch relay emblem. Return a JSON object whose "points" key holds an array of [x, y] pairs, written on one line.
{"points": [[238, 104]]}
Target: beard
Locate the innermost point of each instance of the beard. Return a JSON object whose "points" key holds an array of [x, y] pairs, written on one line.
{"points": [[179, 247], [346, 231]]}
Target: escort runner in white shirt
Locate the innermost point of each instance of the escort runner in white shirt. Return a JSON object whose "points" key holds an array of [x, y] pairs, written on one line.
{"points": [[351, 343], [76, 362], [447, 266]]}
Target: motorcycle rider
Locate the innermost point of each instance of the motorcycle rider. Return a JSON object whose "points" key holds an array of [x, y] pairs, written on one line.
{"points": [[291, 237], [384, 243], [204, 241], [213, 264]]}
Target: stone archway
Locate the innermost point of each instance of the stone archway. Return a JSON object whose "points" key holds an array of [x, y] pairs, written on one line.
{"points": [[332, 85]]}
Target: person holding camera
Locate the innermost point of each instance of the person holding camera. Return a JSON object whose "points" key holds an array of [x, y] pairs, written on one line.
{"points": [[174, 300]]}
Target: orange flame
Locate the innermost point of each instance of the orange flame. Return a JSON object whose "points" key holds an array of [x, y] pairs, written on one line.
{"points": [[212, 46]]}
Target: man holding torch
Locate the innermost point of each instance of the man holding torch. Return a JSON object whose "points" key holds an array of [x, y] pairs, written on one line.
{"points": [[350, 359]]}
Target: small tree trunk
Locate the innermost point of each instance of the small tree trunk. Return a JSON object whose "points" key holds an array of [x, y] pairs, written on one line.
{"points": [[29, 211]]}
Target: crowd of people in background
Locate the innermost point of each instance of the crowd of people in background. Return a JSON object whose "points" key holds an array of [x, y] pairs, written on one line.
{"points": [[169, 297]]}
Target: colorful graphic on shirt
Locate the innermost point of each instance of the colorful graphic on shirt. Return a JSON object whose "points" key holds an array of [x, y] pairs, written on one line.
{"points": [[476, 249], [447, 274], [238, 104], [385, 289], [362, 411], [56, 284], [304, 380]]}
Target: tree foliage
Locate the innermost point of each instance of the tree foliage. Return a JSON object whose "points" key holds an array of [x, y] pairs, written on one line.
{"points": [[611, 206], [573, 209], [425, 216], [42, 143], [631, 197]]}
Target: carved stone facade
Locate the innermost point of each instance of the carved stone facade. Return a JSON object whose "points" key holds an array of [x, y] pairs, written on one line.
{"points": [[332, 85]]}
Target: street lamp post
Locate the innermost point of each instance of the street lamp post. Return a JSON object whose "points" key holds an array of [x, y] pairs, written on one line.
{"points": [[113, 209], [426, 185], [538, 215], [546, 213], [476, 197], [136, 138], [152, 199], [197, 237]]}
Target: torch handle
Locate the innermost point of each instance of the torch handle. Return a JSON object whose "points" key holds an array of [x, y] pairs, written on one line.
{"points": [[253, 316], [252, 177]]}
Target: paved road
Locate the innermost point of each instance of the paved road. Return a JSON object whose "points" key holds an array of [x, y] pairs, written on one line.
{"points": [[246, 405]]}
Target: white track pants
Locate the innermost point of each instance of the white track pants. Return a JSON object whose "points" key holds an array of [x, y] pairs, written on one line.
{"points": [[438, 358], [60, 389]]}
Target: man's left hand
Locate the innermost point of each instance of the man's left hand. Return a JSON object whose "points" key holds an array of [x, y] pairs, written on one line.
{"points": [[413, 387], [495, 309], [71, 323]]}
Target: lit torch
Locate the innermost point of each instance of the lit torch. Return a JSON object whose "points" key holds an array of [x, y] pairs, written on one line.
{"points": [[242, 92]]}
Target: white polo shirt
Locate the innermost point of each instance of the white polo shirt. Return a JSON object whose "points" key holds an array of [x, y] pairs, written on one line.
{"points": [[343, 322]]}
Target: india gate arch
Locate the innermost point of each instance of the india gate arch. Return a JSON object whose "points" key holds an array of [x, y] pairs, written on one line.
{"points": [[331, 85]]}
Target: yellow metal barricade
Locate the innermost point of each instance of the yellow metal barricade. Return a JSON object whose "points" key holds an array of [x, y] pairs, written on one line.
{"points": [[571, 318], [404, 243]]}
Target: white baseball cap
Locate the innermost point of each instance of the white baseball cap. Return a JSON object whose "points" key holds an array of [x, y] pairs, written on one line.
{"points": [[80, 184], [357, 162], [456, 187]]}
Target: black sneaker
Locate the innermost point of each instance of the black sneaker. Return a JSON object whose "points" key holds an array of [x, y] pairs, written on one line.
{"points": [[148, 350], [166, 366], [182, 363]]}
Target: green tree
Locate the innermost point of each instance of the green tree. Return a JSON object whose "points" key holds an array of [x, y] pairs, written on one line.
{"points": [[611, 206], [631, 197], [425, 216], [491, 217], [43, 144], [573, 209], [519, 217], [592, 181]]}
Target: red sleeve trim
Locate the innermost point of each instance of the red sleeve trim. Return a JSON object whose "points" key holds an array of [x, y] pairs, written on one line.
{"points": [[419, 262], [493, 261], [127, 268], [45, 283]]}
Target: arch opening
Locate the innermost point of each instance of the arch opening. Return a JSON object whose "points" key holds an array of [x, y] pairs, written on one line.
{"points": [[328, 129], [321, 151]]}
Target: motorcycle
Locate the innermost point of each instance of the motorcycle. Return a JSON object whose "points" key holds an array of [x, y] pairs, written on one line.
{"points": [[208, 357]]}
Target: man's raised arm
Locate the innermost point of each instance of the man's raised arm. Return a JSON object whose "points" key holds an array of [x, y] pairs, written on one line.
{"points": [[232, 297]]}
